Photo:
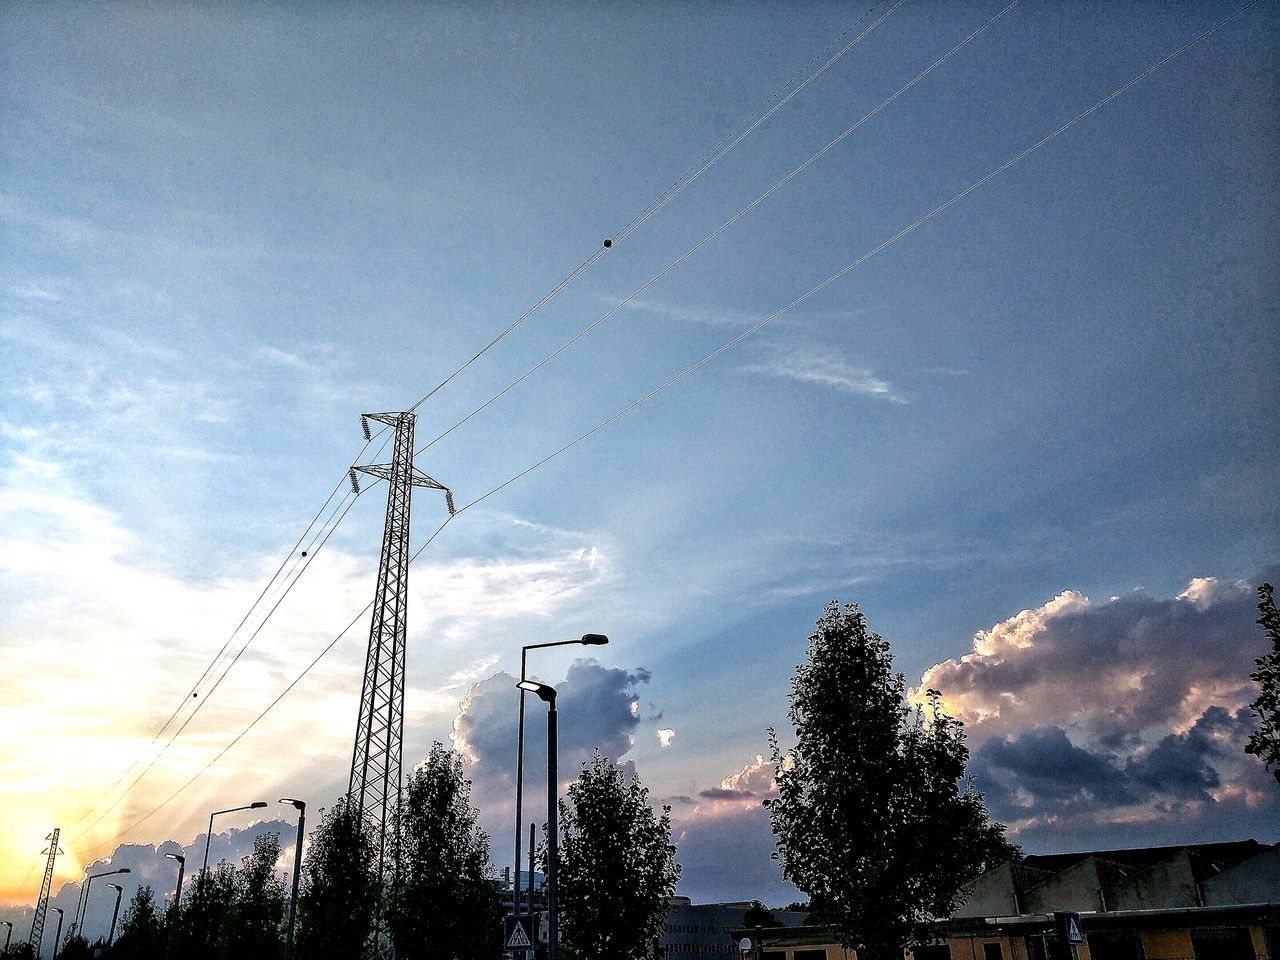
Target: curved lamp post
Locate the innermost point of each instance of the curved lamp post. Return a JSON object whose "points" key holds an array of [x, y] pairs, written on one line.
{"points": [[301, 807], [587, 640], [115, 914], [9, 935], [548, 696], [256, 805], [83, 906]]}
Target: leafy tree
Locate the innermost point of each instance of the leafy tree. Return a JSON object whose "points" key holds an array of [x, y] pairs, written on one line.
{"points": [[875, 819], [340, 887], [142, 931], [19, 950], [443, 903], [1265, 741], [207, 910], [617, 866], [258, 907], [76, 947]]}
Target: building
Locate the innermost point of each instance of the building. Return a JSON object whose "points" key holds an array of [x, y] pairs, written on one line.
{"points": [[1209, 901], [703, 929]]}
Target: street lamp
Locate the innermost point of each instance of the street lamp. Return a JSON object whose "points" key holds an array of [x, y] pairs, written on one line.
{"points": [[83, 907], [177, 900], [57, 937], [256, 805], [301, 807], [111, 937], [548, 696], [9, 935], [589, 640], [182, 868]]}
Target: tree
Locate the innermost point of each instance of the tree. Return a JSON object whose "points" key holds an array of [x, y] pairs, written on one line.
{"points": [[142, 933], [201, 928], [444, 902], [1265, 741], [258, 907], [617, 866], [340, 887], [875, 819]]}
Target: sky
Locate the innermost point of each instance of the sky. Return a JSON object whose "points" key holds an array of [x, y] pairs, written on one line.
{"points": [[1033, 437]]}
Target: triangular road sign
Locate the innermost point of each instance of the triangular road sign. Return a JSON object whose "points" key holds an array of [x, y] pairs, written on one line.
{"points": [[518, 939], [1074, 933]]}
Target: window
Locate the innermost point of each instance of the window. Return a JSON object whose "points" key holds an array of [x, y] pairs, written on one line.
{"points": [[1222, 943], [1116, 945], [992, 951], [933, 951]]}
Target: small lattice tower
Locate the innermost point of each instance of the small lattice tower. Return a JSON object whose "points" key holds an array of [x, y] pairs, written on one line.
{"points": [[46, 887], [375, 760]]}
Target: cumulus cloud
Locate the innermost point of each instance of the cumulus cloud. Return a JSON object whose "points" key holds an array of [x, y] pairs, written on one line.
{"points": [[665, 736], [598, 709], [1108, 719], [725, 842]]}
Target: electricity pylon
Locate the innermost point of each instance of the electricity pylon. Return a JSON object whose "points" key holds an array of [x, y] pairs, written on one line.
{"points": [[46, 887], [375, 760]]}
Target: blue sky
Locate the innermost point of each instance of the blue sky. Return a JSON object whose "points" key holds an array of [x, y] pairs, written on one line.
{"points": [[228, 231]]}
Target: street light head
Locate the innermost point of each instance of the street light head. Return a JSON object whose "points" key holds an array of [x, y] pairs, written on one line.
{"points": [[594, 639], [176, 856], [124, 870], [57, 910], [257, 805], [545, 693], [116, 886], [300, 805]]}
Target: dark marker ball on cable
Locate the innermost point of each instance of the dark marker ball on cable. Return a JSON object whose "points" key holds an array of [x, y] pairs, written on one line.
{"points": [[608, 243], [304, 553]]}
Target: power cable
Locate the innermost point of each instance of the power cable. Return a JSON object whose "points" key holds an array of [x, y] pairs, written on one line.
{"points": [[226, 643], [716, 153], [271, 706], [701, 166], [612, 311]]}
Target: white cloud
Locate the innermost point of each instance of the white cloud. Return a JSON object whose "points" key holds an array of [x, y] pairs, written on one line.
{"points": [[665, 736], [829, 371]]}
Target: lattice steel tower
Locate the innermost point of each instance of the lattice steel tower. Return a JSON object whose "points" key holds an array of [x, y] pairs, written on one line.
{"points": [[375, 761], [46, 887]]}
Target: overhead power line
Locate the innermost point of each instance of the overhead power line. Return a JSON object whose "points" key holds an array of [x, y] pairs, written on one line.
{"points": [[701, 166], [796, 171]]}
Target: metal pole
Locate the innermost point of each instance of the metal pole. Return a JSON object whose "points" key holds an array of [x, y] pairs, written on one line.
{"points": [[297, 874], [8, 936], [57, 937], [84, 905], [177, 893], [532, 837], [553, 842], [177, 905], [111, 937], [207, 837], [520, 794]]}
